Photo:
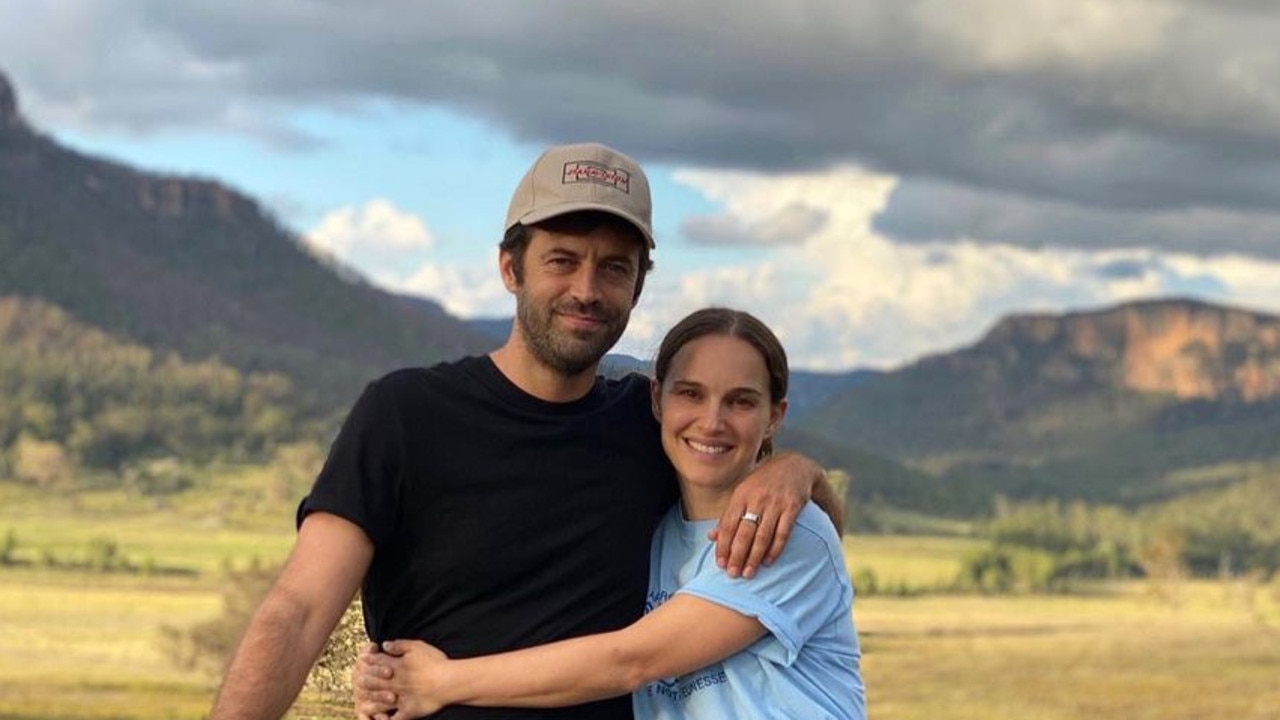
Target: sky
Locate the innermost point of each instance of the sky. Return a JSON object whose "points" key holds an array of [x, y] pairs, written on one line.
{"points": [[877, 179]]}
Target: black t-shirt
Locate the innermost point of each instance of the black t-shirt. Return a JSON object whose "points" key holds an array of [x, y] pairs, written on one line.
{"points": [[499, 520]]}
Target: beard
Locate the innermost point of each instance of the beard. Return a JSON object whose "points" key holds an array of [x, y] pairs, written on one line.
{"points": [[568, 352]]}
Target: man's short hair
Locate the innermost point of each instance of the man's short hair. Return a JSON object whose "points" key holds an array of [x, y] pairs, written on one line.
{"points": [[516, 240]]}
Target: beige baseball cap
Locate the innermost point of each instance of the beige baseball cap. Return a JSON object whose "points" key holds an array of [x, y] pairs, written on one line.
{"points": [[585, 176]]}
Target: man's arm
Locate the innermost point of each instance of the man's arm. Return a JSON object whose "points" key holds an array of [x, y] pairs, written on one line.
{"points": [[775, 492], [290, 627]]}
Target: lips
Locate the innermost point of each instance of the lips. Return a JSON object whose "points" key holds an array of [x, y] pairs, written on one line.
{"points": [[582, 320]]}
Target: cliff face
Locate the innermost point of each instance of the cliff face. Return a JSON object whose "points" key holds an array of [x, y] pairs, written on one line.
{"points": [[176, 198], [27, 156], [1186, 349], [9, 115], [1206, 353]]}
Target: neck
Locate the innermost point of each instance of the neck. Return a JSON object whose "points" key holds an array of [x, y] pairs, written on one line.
{"points": [[540, 381], [700, 502], [703, 503]]}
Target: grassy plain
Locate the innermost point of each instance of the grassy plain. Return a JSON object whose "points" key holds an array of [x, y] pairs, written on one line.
{"points": [[84, 645], [907, 561], [1117, 654]]}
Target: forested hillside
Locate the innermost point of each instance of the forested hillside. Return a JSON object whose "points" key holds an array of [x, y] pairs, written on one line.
{"points": [[79, 407], [190, 266]]}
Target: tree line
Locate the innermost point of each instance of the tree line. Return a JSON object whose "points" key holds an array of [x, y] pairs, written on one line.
{"points": [[77, 404], [1048, 545]]}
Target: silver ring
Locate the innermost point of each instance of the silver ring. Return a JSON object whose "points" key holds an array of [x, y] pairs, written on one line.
{"points": [[751, 517]]}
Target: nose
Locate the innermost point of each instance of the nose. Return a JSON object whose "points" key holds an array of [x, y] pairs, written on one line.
{"points": [[586, 285], [712, 416]]}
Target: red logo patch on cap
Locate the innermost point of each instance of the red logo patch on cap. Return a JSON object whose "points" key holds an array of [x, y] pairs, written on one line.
{"points": [[586, 171]]}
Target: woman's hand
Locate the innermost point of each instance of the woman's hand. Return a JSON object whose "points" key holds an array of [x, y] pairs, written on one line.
{"points": [[369, 683], [403, 680]]}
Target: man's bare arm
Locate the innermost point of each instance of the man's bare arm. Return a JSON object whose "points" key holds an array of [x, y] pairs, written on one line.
{"points": [[825, 497], [290, 627]]}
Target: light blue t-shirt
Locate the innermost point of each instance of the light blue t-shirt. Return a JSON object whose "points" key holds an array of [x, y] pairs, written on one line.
{"points": [[806, 667]]}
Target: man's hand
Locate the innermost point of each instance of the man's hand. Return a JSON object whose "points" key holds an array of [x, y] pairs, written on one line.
{"points": [[757, 522]]}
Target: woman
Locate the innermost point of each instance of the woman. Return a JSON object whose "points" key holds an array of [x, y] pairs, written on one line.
{"points": [[779, 645]]}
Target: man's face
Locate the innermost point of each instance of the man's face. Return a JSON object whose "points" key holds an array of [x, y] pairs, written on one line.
{"points": [[575, 298]]}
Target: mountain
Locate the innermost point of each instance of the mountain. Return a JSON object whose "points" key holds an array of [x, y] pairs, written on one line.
{"points": [[190, 266], [1104, 405], [196, 293]]}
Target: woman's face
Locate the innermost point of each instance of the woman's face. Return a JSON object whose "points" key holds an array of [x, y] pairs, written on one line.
{"points": [[715, 410]]}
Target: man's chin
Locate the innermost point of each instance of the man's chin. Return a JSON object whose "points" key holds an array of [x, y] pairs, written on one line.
{"points": [[572, 356]]}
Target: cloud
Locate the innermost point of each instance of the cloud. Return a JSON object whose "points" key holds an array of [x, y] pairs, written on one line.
{"points": [[378, 225], [932, 211], [392, 247], [1121, 269], [851, 296], [791, 225], [385, 242], [1143, 111], [465, 291]]}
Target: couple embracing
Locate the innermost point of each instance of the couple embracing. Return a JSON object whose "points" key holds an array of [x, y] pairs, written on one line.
{"points": [[532, 540]]}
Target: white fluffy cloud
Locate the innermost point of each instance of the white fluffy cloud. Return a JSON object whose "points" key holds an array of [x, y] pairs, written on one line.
{"points": [[386, 243], [466, 291], [378, 225], [849, 296], [392, 247]]}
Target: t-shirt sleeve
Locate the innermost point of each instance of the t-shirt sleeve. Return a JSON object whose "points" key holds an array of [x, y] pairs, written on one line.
{"points": [[360, 480], [794, 597]]}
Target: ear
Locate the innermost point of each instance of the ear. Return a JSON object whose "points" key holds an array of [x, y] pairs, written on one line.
{"points": [[655, 398], [776, 413], [506, 266]]}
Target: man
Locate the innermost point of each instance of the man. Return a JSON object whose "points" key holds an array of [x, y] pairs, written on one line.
{"points": [[504, 501]]}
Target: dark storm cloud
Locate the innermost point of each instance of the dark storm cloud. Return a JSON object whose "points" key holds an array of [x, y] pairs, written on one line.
{"points": [[1113, 117], [925, 211]]}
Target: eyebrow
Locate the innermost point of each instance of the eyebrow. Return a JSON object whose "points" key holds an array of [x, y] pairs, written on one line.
{"points": [[741, 390], [624, 257], [555, 249]]}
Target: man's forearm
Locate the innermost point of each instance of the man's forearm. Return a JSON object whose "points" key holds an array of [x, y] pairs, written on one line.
{"points": [[271, 663], [293, 622]]}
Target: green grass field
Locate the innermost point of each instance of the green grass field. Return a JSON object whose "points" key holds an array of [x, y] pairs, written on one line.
{"points": [[83, 645], [900, 560]]}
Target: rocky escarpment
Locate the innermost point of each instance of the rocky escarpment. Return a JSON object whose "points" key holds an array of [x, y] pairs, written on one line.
{"points": [[27, 154], [9, 115], [1183, 348]]}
